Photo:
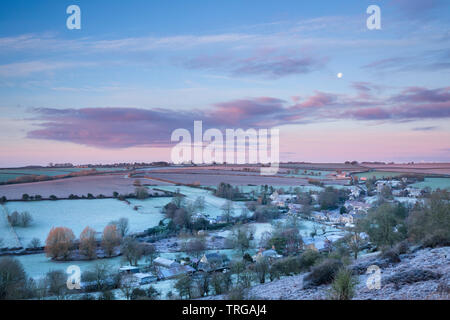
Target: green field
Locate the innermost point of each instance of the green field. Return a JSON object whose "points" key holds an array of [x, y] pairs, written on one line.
{"points": [[11, 174], [378, 174], [433, 183]]}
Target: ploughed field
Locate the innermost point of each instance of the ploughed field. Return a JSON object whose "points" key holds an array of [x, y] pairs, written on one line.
{"points": [[97, 184]]}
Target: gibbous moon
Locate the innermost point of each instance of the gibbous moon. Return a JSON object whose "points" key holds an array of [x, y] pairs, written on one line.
{"points": [[339, 75]]}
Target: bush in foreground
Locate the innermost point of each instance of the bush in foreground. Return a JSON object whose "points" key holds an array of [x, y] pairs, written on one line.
{"points": [[343, 285], [323, 273]]}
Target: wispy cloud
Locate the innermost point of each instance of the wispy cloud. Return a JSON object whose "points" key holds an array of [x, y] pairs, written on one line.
{"points": [[264, 64], [22, 69], [430, 128], [127, 127]]}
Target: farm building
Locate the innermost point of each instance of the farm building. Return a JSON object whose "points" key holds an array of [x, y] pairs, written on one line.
{"points": [[166, 263], [173, 272]]}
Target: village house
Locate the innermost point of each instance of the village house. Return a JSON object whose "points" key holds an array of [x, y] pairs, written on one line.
{"points": [[413, 192], [144, 278], [355, 192], [320, 216], [387, 183], [294, 208], [166, 263], [346, 218], [334, 217], [211, 262], [129, 270], [173, 272], [281, 200], [356, 206], [270, 254]]}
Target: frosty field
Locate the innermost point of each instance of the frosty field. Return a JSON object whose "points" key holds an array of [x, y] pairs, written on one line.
{"points": [[433, 183], [77, 214], [213, 204]]}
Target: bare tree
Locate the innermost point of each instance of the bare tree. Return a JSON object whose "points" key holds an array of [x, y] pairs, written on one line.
{"points": [[34, 243], [122, 226], [132, 250], [228, 210], [13, 279], [110, 239], [56, 282], [196, 247]]}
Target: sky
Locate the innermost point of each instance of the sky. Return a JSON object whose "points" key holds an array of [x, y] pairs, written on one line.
{"points": [[114, 90]]}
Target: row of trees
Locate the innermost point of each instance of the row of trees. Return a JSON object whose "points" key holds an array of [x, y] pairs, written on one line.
{"points": [[60, 241], [428, 222]]}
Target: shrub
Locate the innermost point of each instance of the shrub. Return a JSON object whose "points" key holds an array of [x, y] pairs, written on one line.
{"points": [[138, 294], [324, 272], [343, 285], [53, 197], [35, 243], [402, 247], [308, 259], [107, 295], [236, 293], [390, 254], [141, 193], [436, 240]]}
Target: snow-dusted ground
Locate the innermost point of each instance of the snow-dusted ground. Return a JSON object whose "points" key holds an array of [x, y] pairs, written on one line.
{"points": [[213, 204], [435, 260], [305, 227], [78, 214], [433, 183], [7, 235]]}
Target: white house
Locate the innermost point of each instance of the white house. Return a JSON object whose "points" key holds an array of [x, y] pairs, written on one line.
{"points": [[357, 206], [334, 217], [166, 263], [346, 218], [414, 192], [319, 216]]}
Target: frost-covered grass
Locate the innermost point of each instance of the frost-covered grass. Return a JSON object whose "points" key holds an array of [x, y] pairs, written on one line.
{"points": [[287, 189], [433, 183], [213, 204], [306, 227], [11, 174], [37, 265], [77, 214], [378, 174], [7, 235]]}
